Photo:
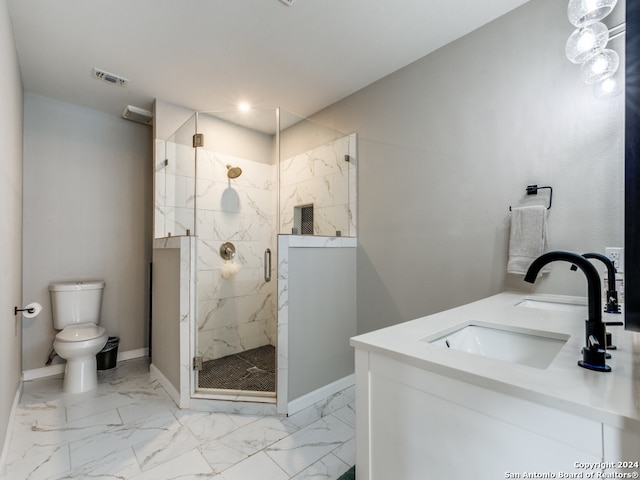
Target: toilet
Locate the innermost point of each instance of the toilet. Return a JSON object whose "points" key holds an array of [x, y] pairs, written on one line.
{"points": [[76, 312]]}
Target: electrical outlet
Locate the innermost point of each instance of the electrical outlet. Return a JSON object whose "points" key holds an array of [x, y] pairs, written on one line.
{"points": [[616, 255]]}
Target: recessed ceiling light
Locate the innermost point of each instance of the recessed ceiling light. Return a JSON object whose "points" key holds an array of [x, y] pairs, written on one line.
{"points": [[245, 107]]}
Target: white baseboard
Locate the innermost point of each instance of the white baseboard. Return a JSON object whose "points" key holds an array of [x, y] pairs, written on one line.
{"points": [[156, 374], [140, 352], [7, 437], [47, 371], [58, 368], [320, 394]]}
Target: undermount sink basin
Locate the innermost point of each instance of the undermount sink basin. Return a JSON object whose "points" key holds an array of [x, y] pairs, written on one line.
{"points": [[525, 347], [557, 305]]}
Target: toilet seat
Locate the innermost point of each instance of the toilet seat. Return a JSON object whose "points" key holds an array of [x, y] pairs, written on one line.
{"points": [[80, 332]]}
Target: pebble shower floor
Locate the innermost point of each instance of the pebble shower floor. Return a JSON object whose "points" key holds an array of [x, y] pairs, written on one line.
{"points": [[253, 370]]}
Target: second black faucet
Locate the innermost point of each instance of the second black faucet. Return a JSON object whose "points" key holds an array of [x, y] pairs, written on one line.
{"points": [[593, 353]]}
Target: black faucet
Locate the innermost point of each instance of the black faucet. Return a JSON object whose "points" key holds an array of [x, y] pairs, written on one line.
{"points": [[594, 353], [612, 294]]}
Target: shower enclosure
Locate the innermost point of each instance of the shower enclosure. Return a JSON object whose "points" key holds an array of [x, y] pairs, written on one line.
{"points": [[232, 182]]}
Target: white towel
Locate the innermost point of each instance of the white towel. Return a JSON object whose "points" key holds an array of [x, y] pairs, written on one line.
{"points": [[528, 239]]}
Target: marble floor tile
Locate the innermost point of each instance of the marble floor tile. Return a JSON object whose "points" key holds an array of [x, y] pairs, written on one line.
{"points": [[111, 440], [171, 442], [258, 466], [323, 408], [221, 457], [43, 390], [347, 414], [329, 467], [130, 429], [308, 415], [120, 464], [258, 435], [298, 451], [41, 434], [347, 452], [90, 406], [142, 409], [207, 426], [47, 413], [191, 465], [38, 463], [336, 402]]}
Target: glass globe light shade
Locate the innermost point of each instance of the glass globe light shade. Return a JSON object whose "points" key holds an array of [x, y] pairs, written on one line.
{"points": [[600, 66], [585, 12], [607, 88], [587, 41]]}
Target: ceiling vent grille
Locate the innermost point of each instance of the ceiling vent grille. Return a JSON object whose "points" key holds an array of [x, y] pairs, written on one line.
{"points": [[110, 77], [288, 3]]}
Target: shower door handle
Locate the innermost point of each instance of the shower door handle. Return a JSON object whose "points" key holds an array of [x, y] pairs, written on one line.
{"points": [[267, 265]]}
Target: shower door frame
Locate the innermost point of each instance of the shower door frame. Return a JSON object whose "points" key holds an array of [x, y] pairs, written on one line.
{"points": [[204, 396]]}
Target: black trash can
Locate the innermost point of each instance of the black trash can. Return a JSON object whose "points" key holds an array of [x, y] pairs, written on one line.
{"points": [[107, 357]]}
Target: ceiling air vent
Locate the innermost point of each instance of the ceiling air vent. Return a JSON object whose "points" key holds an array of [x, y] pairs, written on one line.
{"points": [[137, 114], [109, 77], [288, 3]]}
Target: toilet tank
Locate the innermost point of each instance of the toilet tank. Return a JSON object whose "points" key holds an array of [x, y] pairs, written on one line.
{"points": [[76, 302]]}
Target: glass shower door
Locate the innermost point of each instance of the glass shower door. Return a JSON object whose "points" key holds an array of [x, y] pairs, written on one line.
{"points": [[236, 212], [255, 173]]}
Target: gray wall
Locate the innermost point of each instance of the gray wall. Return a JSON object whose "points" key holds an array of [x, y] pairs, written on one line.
{"points": [[87, 214], [322, 313], [166, 313], [448, 143], [11, 224]]}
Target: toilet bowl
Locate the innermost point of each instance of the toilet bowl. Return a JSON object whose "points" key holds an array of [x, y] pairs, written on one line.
{"points": [[76, 313], [79, 345]]}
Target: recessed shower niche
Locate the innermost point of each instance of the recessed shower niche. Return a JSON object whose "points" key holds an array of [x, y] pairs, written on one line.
{"points": [[303, 220], [252, 177]]}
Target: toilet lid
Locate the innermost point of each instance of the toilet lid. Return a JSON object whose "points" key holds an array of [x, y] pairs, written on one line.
{"points": [[80, 332]]}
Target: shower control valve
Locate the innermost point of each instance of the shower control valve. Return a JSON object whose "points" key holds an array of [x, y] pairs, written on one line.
{"points": [[227, 250]]}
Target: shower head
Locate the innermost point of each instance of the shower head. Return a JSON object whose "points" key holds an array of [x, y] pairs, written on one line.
{"points": [[233, 172]]}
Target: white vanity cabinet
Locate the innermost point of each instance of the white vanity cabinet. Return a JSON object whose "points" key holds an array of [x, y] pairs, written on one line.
{"points": [[426, 413], [414, 424]]}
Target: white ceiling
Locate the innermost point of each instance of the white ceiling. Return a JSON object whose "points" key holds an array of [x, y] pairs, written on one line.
{"points": [[212, 54]]}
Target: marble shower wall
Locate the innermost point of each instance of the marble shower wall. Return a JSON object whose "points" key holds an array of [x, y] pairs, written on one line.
{"points": [[323, 178], [238, 312]]}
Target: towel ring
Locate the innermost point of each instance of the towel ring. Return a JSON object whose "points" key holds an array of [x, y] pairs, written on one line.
{"points": [[533, 190]]}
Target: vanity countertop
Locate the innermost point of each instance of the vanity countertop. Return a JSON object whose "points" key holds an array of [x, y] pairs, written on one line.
{"points": [[612, 398]]}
